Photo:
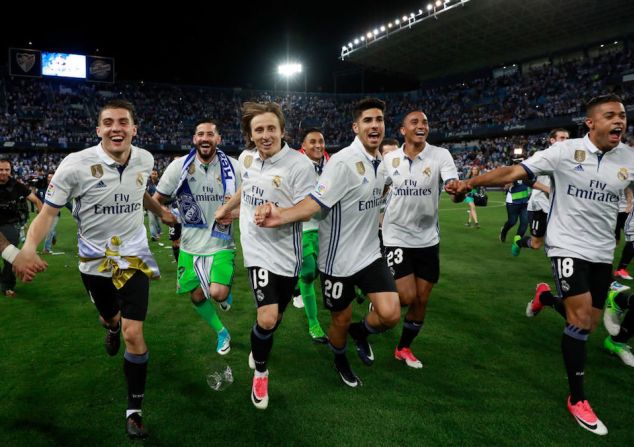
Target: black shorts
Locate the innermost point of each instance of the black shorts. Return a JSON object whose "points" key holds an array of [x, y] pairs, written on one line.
{"points": [[621, 218], [424, 262], [537, 220], [131, 299], [575, 276], [270, 288], [339, 291], [175, 232]]}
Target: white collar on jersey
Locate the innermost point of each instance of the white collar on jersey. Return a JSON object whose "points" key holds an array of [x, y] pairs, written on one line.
{"points": [[420, 155], [592, 148], [213, 162], [589, 144], [107, 159], [358, 146], [275, 158]]}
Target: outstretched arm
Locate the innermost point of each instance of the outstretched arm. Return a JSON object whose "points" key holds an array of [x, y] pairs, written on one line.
{"points": [[229, 210], [497, 177], [269, 215], [27, 262]]}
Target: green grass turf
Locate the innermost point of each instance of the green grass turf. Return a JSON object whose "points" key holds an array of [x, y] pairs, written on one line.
{"points": [[491, 375]]}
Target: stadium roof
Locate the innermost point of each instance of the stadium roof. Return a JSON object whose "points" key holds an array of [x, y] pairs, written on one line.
{"points": [[491, 33]]}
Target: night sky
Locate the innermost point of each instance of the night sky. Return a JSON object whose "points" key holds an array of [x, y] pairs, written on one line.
{"points": [[198, 45]]}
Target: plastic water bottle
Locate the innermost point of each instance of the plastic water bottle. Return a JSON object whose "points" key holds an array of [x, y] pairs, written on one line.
{"points": [[219, 377]]}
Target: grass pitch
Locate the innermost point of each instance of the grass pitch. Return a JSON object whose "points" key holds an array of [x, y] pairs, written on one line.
{"points": [[491, 375]]}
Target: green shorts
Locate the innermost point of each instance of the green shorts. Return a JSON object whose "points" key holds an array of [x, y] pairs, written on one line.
{"points": [[222, 270], [468, 199]]}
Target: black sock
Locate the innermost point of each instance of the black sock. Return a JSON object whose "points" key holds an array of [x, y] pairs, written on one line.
{"points": [[627, 328], [626, 255], [548, 299], [410, 331], [573, 348], [341, 361], [176, 251], [525, 242], [559, 307], [624, 301], [361, 330], [135, 369], [261, 344], [115, 329]]}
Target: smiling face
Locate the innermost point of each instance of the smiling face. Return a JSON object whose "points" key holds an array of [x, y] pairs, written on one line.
{"points": [[206, 140], [314, 146], [415, 128], [370, 127], [607, 123], [266, 134], [116, 130]]}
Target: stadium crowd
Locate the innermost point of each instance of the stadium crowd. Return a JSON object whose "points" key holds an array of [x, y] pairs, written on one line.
{"points": [[43, 111]]}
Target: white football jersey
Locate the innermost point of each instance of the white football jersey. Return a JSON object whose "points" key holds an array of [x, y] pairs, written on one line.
{"points": [[207, 190], [108, 202], [585, 189], [351, 189], [540, 201], [284, 179], [411, 209]]}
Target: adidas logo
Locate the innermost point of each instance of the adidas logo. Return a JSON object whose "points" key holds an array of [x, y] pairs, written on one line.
{"points": [[365, 180], [396, 172], [579, 168], [101, 184], [246, 175], [192, 179]]}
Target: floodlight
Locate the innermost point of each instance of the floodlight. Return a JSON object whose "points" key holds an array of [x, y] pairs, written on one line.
{"points": [[290, 69]]}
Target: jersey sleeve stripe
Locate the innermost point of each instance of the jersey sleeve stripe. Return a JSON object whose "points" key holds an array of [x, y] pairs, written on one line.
{"points": [[54, 205], [530, 173], [321, 204]]}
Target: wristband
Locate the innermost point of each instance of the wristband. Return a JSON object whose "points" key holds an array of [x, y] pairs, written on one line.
{"points": [[9, 253]]}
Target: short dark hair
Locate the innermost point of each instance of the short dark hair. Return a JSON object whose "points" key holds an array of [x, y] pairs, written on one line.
{"points": [[597, 100], [118, 104], [405, 115], [311, 130], [252, 109], [553, 133], [205, 121], [365, 104], [388, 142], [6, 160]]}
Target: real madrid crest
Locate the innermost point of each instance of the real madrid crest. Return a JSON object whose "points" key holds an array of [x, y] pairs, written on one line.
{"points": [[277, 181], [580, 155], [191, 169], [622, 174], [248, 160], [396, 162], [360, 167], [140, 181], [427, 171], [96, 171]]}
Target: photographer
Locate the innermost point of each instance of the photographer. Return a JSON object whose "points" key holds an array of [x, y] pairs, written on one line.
{"points": [[12, 195]]}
